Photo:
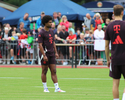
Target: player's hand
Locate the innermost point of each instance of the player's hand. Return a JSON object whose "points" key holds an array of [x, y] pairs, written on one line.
{"points": [[36, 39], [45, 58], [108, 64], [57, 56]]}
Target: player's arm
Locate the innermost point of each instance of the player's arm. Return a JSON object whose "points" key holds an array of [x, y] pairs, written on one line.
{"points": [[54, 45], [42, 51], [107, 52]]}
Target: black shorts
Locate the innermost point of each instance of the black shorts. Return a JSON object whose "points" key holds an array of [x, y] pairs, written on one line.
{"points": [[14, 47], [23, 51], [51, 59], [116, 71]]}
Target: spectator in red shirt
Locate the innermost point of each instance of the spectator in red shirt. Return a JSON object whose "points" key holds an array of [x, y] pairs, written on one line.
{"points": [[23, 38], [71, 39], [98, 20], [65, 22]]}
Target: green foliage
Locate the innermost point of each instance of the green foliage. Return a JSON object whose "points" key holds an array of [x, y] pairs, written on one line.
{"points": [[79, 1], [16, 2]]}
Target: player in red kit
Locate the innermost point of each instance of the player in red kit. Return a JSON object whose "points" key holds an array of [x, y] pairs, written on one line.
{"points": [[115, 32], [48, 53]]}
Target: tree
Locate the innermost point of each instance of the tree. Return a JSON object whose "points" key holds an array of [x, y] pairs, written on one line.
{"points": [[16, 2], [79, 1]]}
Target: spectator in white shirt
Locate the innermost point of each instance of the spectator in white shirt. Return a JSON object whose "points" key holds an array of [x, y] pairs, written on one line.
{"points": [[99, 33]]}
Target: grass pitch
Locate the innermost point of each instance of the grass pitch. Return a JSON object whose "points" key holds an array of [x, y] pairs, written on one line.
{"points": [[79, 84]]}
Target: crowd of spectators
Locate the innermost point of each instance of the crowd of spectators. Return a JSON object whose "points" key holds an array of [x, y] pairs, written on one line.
{"points": [[16, 43]]}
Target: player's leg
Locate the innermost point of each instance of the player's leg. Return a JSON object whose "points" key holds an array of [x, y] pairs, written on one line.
{"points": [[52, 66], [53, 72], [116, 89], [43, 77], [70, 52], [123, 97], [123, 72], [115, 73]]}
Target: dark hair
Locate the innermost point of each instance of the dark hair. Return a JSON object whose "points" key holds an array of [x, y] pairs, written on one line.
{"points": [[24, 30], [46, 19], [118, 9], [31, 32]]}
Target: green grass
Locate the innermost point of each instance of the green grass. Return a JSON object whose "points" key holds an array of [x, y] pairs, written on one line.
{"points": [[79, 84]]}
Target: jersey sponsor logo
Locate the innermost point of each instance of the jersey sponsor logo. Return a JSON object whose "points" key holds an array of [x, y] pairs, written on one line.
{"points": [[50, 39], [116, 28], [118, 40]]}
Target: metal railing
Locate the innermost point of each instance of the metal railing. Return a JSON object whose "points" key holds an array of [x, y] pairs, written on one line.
{"points": [[21, 52]]}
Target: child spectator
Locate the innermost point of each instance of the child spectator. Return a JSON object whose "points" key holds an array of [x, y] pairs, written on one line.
{"points": [[78, 33], [30, 46], [23, 44], [107, 22], [13, 49]]}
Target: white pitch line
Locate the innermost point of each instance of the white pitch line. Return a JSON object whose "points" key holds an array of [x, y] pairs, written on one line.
{"points": [[42, 87], [88, 78], [13, 78]]}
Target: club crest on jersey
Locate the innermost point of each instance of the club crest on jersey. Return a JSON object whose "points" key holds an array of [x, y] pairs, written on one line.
{"points": [[39, 35], [44, 62]]}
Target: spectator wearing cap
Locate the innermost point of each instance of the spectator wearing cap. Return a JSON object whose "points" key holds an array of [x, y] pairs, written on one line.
{"points": [[98, 20], [88, 21], [39, 21], [26, 22], [55, 19]]}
